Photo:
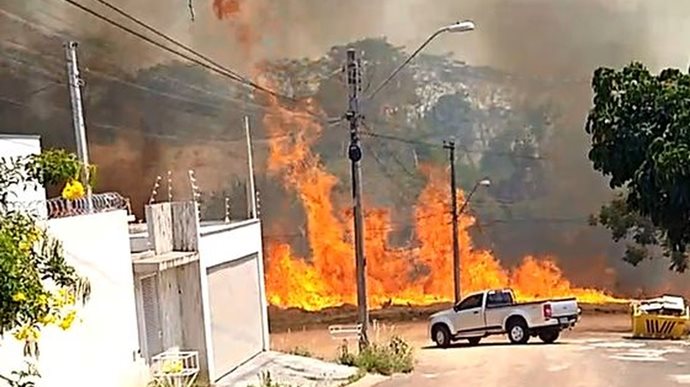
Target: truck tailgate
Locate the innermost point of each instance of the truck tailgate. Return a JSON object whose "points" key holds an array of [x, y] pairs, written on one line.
{"points": [[564, 307]]}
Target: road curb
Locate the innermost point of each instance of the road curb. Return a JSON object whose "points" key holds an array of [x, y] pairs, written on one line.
{"points": [[369, 380]]}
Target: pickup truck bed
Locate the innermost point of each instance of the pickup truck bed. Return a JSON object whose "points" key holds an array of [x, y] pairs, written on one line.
{"points": [[495, 312]]}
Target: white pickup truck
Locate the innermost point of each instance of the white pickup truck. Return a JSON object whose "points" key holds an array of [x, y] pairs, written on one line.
{"points": [[493, 312]]}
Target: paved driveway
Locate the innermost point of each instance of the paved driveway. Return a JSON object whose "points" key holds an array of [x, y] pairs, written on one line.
{"points": [[605, 360]]}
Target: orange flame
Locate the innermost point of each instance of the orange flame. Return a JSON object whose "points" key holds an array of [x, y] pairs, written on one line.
{"points": [[226, 8], [415, 275], [244, 19]]}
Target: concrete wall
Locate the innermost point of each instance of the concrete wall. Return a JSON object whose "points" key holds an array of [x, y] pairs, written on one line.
{"points": [[220, 245], [33, 197], [101, 350]]}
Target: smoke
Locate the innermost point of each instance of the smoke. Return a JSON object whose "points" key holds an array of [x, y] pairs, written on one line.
{"points": [[557, 41]]}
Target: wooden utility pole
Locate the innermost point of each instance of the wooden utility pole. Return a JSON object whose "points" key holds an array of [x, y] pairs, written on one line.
{"points": [[450, 146], [353, 115]]}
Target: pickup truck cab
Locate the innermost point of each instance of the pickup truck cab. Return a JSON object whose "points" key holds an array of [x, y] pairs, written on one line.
{"points": [[493, 312]]}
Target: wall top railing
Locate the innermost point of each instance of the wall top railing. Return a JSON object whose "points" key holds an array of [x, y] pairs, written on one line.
{"points": [[61, 208]]}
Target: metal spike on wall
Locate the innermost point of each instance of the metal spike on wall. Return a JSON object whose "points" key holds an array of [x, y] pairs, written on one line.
{"points": [[227, 209], [170, 195], [154, 191], [258, 204], [196, 195]]}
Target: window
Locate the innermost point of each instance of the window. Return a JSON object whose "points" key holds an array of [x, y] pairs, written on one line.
{"points": [[471, 302], [499, 299]]}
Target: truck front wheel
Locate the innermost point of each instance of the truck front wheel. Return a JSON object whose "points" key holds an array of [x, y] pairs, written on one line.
{"points": [[441, 335], [517, 330], [549, 335]]}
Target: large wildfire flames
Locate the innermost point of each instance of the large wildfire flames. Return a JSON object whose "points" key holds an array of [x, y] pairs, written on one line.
{"points": [[416, 275]]}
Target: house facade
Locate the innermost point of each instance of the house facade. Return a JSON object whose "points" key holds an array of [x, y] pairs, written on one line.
{"points": [[172, 282], [200, 287]]}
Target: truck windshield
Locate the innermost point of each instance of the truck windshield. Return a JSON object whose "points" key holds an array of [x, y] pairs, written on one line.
{"points": [[499, 299]]}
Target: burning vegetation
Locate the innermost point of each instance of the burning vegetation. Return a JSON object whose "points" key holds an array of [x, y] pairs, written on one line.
{"points": [[417, 274]]}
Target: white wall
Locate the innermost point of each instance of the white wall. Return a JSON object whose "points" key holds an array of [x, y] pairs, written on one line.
{"points": [[221, 244], [101, 349], [33, 197]]}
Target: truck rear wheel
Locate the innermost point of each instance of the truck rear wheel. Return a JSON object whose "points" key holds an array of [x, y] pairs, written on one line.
{"points": [[517, 330], [549, 335], [441, 335]]}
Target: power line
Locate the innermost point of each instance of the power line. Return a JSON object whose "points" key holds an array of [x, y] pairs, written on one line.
{"points": [[370, 133], [104, 75], [140, 23], [215, 68], [462, 148], [214, 141], [48, 31], [386, 173], [175, 96]]}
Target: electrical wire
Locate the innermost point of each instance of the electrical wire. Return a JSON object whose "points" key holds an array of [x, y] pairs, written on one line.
{"points": [[463, 149], [221, 70]]}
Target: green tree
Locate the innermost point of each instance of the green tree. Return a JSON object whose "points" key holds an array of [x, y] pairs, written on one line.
{"points": [[640, 138], [38, 288]]}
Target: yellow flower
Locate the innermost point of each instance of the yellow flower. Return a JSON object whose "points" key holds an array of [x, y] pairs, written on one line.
{"points": [[19, 297], [48, 319], [73, 190], [25, 246], [67, 321], [27, 333]]}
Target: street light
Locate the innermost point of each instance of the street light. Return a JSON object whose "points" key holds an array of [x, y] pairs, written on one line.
{"points": [[456, 242], [461, 26]]}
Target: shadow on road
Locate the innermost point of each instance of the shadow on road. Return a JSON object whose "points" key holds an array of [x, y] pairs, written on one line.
{"points": [[490, 344]]}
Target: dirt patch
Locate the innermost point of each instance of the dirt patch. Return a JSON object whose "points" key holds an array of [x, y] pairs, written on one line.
{"points": [[283, 320], [317, 342]]}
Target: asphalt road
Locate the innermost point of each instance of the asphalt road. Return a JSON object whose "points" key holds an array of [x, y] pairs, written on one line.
{"points": [[590, 360]]}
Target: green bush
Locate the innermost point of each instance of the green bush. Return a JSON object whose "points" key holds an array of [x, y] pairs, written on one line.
{"points": [[393, 357]]}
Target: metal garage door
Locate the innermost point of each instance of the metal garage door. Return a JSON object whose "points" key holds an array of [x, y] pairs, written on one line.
{"points": [[151, 318], [236, 317]]}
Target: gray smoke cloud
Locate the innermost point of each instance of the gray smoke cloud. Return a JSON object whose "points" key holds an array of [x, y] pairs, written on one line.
{"points": [[547, 39]]}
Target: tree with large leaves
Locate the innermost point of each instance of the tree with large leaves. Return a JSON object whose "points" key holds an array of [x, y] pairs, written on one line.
{"points": [[640, 138]]}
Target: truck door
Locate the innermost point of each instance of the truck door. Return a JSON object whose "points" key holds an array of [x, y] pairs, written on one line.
{"points": [[468, 314]]}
